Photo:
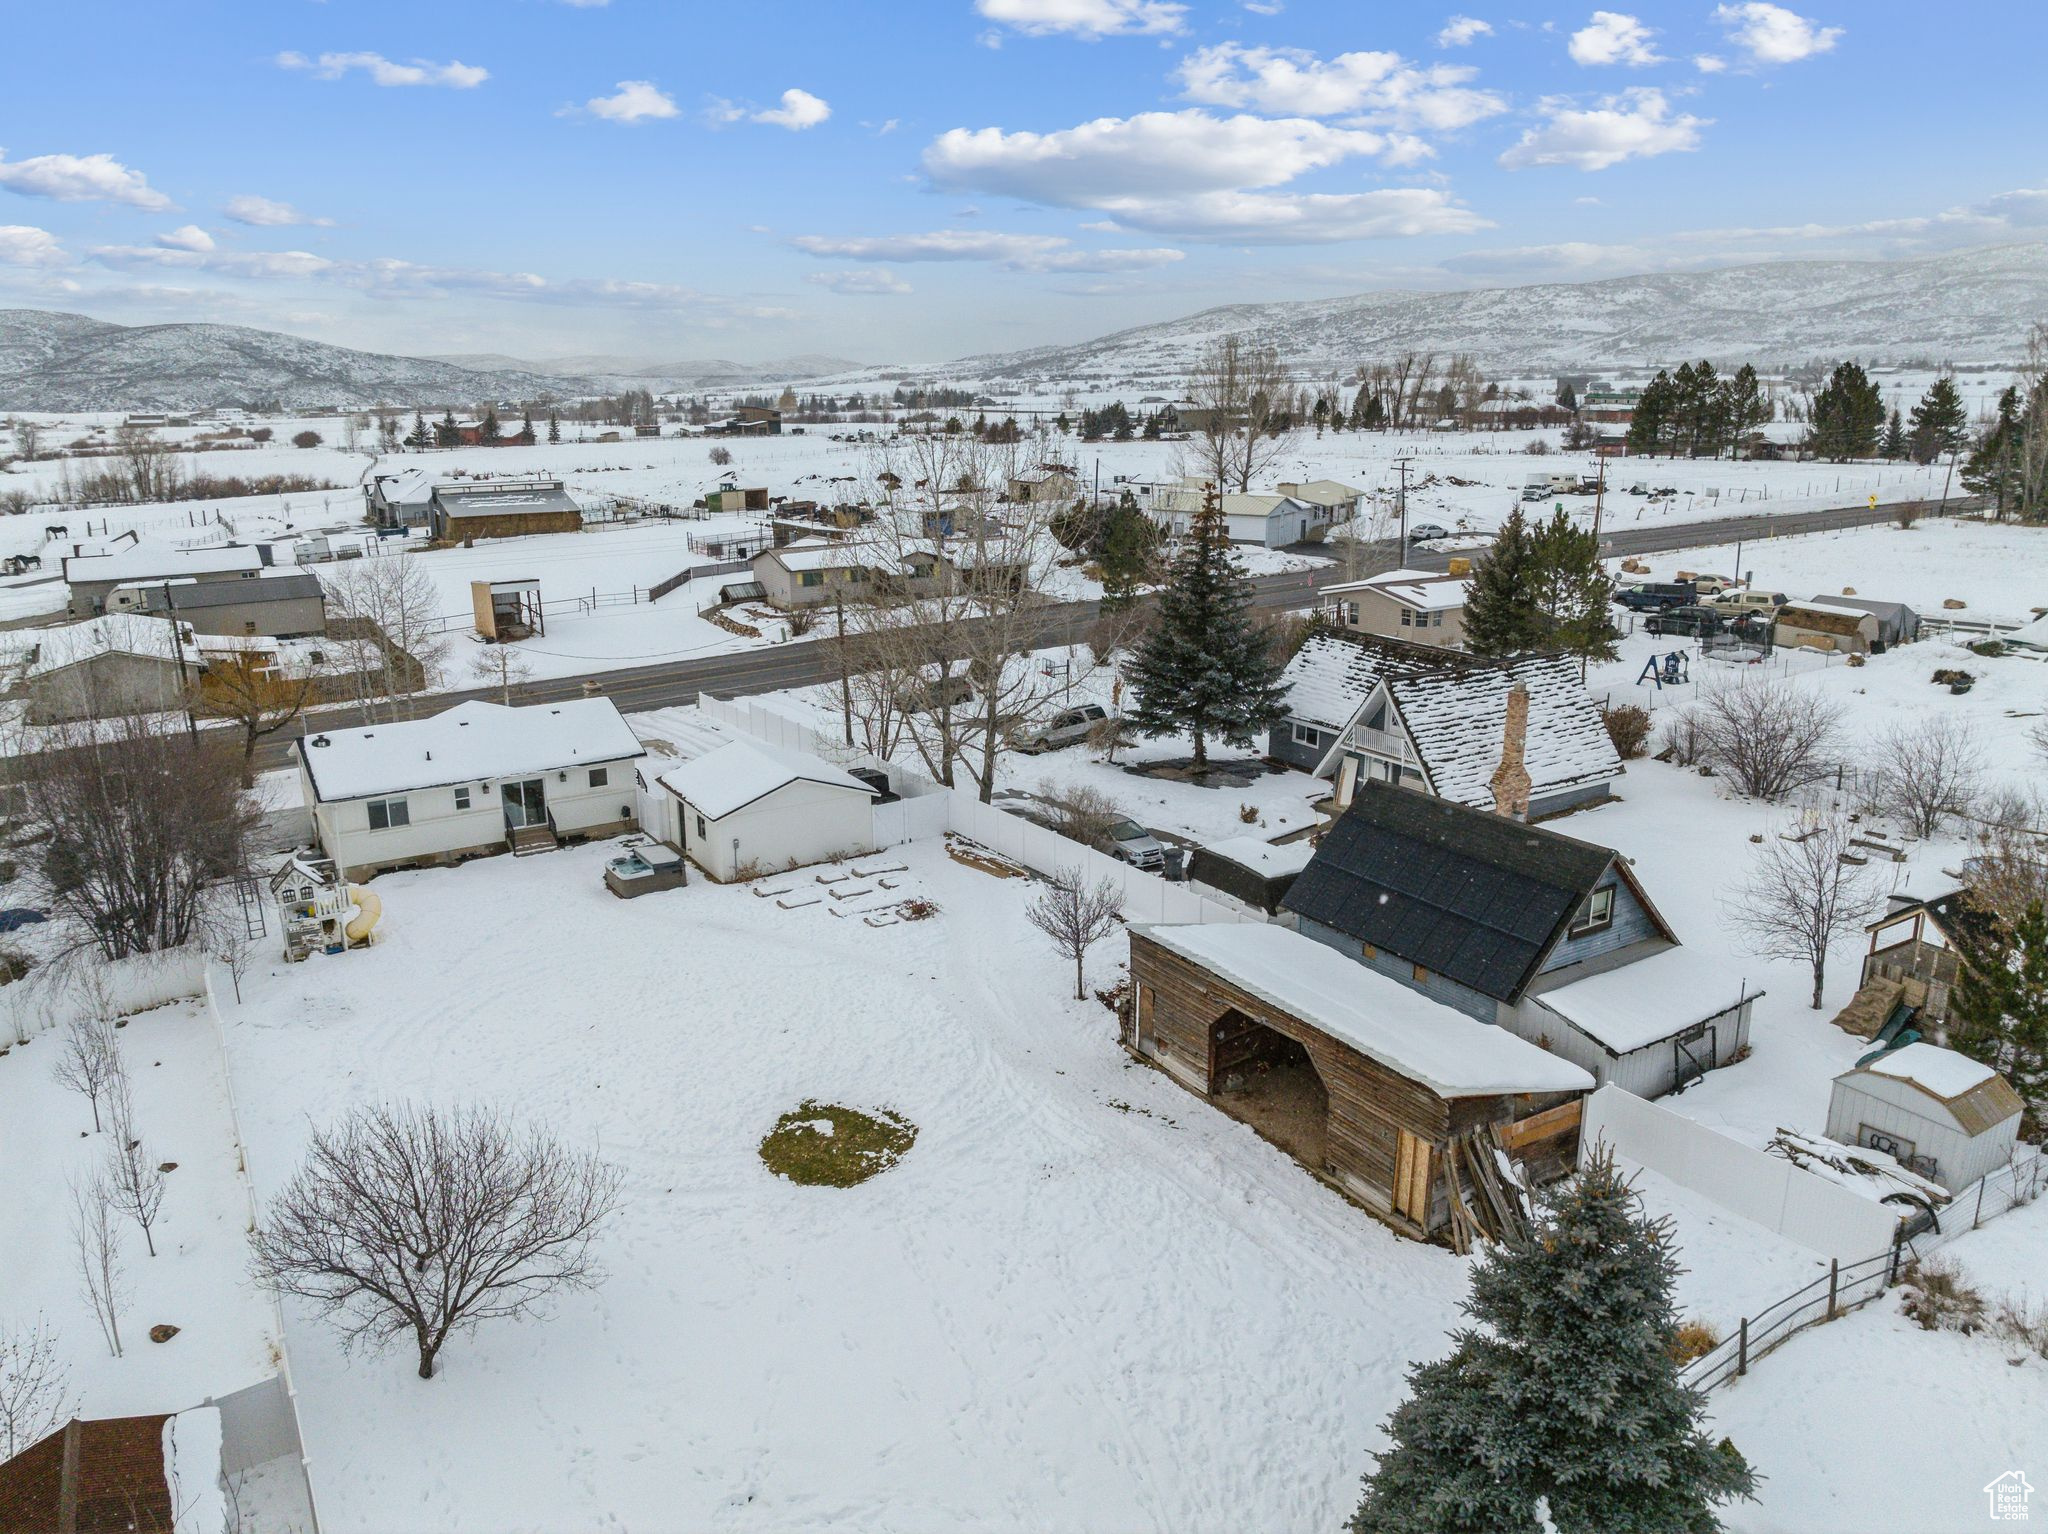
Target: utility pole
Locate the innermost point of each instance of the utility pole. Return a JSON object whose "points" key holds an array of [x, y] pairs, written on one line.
{"points": [[1599, 501], [1402, 465], [845, 676], [178, 648]]}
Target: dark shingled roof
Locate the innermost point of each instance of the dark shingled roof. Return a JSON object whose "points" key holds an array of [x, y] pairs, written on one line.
{"points": [[1466, 894]]}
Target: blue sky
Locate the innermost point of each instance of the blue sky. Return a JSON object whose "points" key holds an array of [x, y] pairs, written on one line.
{"points": [[918, 179]]}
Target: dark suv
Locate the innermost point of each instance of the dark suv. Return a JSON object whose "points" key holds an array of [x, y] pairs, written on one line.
{"points": [[1692, 619], [1650, 596]]}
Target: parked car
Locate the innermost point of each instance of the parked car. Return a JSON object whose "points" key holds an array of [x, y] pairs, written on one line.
{"points": [[1711, 586], [1422, 531], [1745, 601], [1695, 620], [1069, 727], [1650, 596], [1135, 845]]}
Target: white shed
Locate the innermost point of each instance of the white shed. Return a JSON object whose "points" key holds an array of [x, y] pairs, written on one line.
{"points": [[1943, 1115], [744, 809]]}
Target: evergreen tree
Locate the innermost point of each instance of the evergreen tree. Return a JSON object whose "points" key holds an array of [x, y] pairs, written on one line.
{"points": [[1998, 1011], [1568, 398], [1502, 616], [554, 427], [1128, 542], [1848, 414], [1893, 447], [492, 431], [1376, 414], [1993, 470], [1747, 407], [1564, 1391], [1650, 423], [1572, 591], [1359, 404], [445, 432], [1205, 667], [420, 435], [1940, 423], [526, 426]]}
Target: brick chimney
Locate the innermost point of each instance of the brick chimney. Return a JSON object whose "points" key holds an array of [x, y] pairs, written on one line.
{"points": [[1511, 779]]}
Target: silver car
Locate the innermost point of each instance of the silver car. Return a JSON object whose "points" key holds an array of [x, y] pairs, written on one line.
{"points": [[1069, 727], [1135, 845]]}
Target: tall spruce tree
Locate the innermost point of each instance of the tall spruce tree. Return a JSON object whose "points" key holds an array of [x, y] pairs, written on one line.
{"points": [[1940, 423], [1894, 446], [1848, 414], [1650, 423], [1573, 590], [1564, 1391], [1998, 1011], [1747, 407], [1125, 548], [1204, 667], [1502, 614]]}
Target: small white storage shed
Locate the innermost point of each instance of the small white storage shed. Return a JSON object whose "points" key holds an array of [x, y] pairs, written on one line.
{"points": [[1942, 1114], [742, 810]]}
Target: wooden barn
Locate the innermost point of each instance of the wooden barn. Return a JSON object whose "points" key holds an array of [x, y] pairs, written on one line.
{"points": [[1398, 1102], [502, 508]]}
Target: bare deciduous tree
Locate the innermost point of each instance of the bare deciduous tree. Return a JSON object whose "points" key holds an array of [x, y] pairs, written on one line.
{"points": [[35, 1388], [89, 1061], [502, 667], [1768, 737], [1076, 915], [392, 602], [1927, 772], [1082, 814], [417, 1222], [132, 1181], [97, 1241], [1802, 897], [2008, 865], [1241, 394], [258, 692], [136, 818]]}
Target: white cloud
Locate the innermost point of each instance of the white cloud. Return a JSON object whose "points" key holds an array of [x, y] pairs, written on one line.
{"points": [[264, 213], [1086, 19], [455, 74], [1632, 126], [1017, 252], [1263, 7], [634, 101], [1460, 31], [80, 178], [26, 245], [799, 110], [1709, 63], [1770, 34], [1378, 87], [1284, 218], [863, 280], [190, 237], [1614, 37]]}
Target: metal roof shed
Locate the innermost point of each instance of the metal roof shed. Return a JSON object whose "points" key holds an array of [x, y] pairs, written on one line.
{"points": [[1942, 1114]]}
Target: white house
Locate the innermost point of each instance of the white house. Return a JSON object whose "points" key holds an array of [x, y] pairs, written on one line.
{"points": [[476, 779], [1270, 521], [1941, 1114], [745, 808]]}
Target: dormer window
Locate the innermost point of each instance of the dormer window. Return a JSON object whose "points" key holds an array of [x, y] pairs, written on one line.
{"points": [[1596, 913]]}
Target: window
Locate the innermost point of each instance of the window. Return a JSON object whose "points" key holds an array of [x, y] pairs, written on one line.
{"points": [[701, 832], [1407, 617], [810, 578], [386, 814], [1436, 619], [1596, 914], [1307, 735], [462, 797], [599, 776]]}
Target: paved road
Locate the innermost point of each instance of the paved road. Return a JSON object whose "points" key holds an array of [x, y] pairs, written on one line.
{"points": [[672, 683]]}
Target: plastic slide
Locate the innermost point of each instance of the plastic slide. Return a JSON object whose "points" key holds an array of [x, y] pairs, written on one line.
{"points": [[368, 910]]}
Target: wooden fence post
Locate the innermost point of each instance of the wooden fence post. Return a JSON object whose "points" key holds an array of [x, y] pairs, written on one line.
{"points": [[1742, 1349], [1978, 1218], [1834, 1282]]}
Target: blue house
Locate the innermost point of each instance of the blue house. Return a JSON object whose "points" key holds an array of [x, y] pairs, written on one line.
{"points": [[1547, 936]]}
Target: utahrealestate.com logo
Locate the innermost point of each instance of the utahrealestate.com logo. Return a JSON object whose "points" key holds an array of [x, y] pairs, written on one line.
{"points": [[2008, 1496]]}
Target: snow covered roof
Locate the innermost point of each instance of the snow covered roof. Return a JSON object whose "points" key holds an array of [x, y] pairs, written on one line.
{"points": [[1975, 1095], [1451, 1054], [732, 776], [1263, 857], [1329, 680], [1456, 718], [470, 743], [799, 557], [1322, 492], [408, 487], [2032, 636], [1429, 590], [483, 499], [1644, 1003], [141, 561], [270, 586], [113, 634], [1821, 605]]}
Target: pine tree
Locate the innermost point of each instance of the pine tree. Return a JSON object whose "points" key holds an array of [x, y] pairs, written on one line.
{"points": [[1572, 591], [1940, 423], [1568, 398], [1998, 1011], [1128, 542], [1563, 1391], [1501, 612], [1204, 667], [1848, 414], [1893, 447], [1650, 423], [1747, 407], [554, 427], [491, 430], [445, 431], [420, 436]]}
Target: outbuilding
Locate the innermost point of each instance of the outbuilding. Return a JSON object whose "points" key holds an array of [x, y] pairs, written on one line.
{"points": [[1395, 1100], [1948, 1117], [503, 508], [745, 808], [1256, 872], [1825, 624], [1896, 622]]}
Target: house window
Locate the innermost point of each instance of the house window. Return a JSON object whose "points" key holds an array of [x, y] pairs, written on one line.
{"points": [[1351, 614], [385, 814], [1597, 914], [1308, 735], [701, 832], [1407, 617], [1436, 619], [810, 578], [599, 776], [462, 797]]}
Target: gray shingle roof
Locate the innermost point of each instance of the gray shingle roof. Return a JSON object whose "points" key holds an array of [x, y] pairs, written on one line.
{"points": [[1332, 675], [1456, 718]]}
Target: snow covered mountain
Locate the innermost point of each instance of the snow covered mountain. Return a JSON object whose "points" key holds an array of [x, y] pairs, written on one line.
{"points": [[670, 377], [1965, 307], [56, 361]]}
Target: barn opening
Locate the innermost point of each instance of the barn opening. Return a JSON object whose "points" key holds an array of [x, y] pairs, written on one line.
{"points": [[1269, 1081]]}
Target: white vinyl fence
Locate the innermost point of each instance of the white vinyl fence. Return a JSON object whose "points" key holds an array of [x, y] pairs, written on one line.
{"points": [[929, 809], [54, 997], [1766, 1189]]}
